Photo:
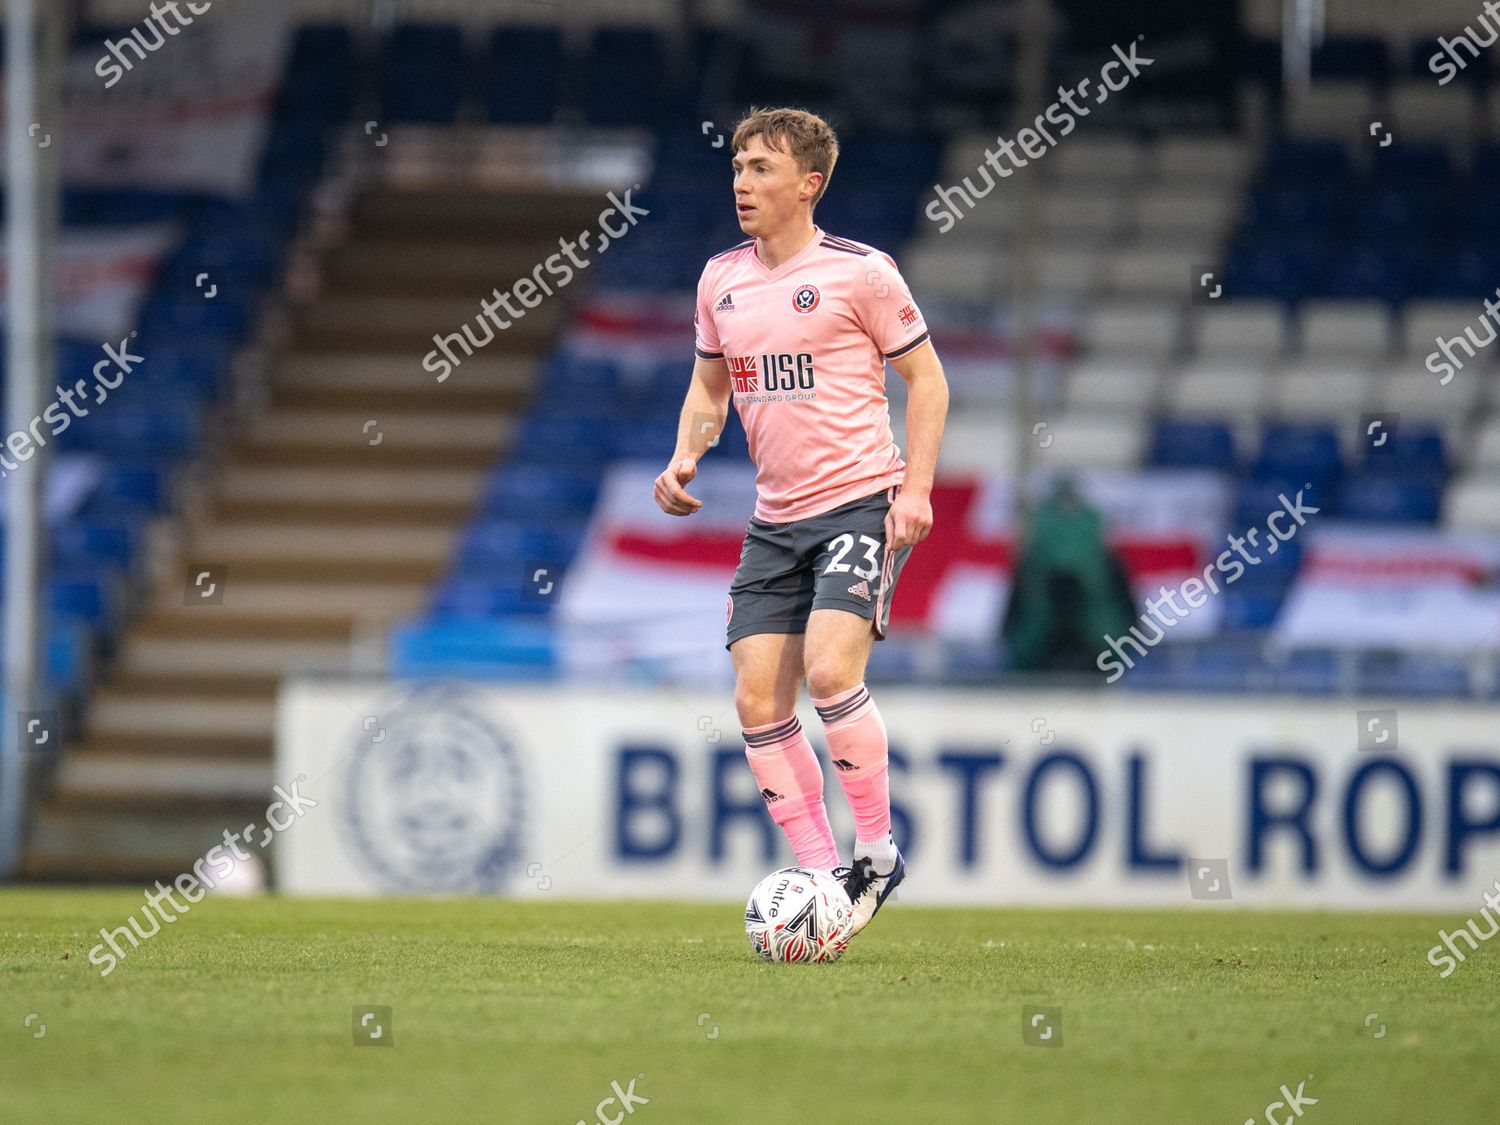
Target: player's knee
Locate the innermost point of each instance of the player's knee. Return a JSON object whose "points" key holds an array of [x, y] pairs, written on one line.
{"points": [[828, 676], [756, 704]]}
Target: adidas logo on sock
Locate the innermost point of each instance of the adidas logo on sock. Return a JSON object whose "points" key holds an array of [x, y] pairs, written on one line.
{"points": [[770, 795], [861, 589], [843, 764], [726, 303]]}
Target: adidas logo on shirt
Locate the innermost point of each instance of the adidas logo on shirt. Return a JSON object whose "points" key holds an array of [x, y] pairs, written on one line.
{"points": [[770, 796], [726, 303]]}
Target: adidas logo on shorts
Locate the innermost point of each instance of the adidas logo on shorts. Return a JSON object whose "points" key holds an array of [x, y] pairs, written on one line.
{"points": [[861, 589], [726, 303]]}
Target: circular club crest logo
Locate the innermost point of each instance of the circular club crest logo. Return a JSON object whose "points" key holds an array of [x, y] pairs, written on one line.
{"points": [[437, 804], [806, 299]]}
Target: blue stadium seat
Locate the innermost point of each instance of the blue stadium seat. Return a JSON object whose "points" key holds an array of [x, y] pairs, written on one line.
{"points": [[1414, 165], [1477, 73], [1397, 675], [1395, 214], [1299, 452], [77, 543], [1292, 212], [524, 491], [1255, 500], [1352, 57], [1192, 445], [623, 76], [473, 597], [577, 439], [1248, 609], [524, 75], [424, 72], [1309, 672], [129, 490], [1322, 164], [487, 545], [474, 648], [1283, 274], [85, 596], [160, 432], [1485, 168], [1459, 273], [1414, 450], [1385, 273], [1390, 498]]}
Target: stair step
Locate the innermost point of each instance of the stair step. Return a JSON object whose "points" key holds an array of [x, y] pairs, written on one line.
{"points": [[353, 487], [129, 845], [461, 426], [224, 685], [457, 397], [232, 543], [438, 517], [146, 657], [255, 748], [295, 568], [402, 371], [314, 594], [357, 324], [258, 454], [325, 537], [130, 780], [202, 622], [115, 712], [449, 214]]}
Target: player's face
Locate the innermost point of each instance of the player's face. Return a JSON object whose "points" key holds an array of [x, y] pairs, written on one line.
{"points": [[770, 191]]}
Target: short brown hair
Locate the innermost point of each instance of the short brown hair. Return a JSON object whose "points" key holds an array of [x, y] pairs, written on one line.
{"points": [[806, 136]]}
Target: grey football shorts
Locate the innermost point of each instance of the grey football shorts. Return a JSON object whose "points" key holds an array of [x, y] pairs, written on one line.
{"points": [[837, 560]]}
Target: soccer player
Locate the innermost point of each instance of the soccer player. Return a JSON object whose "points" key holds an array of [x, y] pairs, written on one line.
{"points": [[798, 325]]}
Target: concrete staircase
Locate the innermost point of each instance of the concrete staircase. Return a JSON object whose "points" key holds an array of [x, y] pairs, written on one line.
{"points": [[331, 512]]}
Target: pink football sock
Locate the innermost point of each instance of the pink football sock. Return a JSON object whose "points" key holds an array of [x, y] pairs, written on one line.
{"points": [[791, 782], [857, 744]]}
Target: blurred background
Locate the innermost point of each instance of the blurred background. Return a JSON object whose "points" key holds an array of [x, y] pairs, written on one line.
{"points": [[1255, 272]]}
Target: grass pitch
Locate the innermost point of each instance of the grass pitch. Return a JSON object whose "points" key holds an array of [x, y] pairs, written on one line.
{"points": [[243, 1011]]}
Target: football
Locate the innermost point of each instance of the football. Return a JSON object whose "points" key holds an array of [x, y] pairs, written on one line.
{"points": [[798, 915]]}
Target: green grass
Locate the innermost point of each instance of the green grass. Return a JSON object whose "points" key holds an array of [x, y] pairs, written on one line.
{"points": [[505, 1012]]}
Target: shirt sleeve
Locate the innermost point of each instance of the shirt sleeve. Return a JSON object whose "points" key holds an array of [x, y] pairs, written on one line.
{"points": [[705, 333], [887, 311]]}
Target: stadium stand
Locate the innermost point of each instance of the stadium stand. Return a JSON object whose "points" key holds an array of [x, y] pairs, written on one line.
{"points": [[1215, 300]]}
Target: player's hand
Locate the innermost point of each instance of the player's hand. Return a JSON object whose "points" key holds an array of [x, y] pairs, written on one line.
{"points": [[671, 497], [909, 521]]}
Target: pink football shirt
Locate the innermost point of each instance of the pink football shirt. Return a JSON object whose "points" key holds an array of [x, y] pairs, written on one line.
{"points": [[806, 345]]}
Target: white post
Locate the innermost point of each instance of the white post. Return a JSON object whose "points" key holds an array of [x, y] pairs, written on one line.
{"points": [[33, 107]]}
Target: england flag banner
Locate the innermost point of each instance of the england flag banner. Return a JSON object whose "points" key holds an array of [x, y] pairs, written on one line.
{"points": [[1411, 590], [192, 115], [652, 587], [100, 276]]}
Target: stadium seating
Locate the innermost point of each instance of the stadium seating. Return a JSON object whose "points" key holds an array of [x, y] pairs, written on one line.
{"points": [[1338, 265], [1326, 255], [156, 421]]}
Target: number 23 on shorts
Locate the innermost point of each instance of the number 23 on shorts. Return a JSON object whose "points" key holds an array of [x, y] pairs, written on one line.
{"points": [[841, 547]]}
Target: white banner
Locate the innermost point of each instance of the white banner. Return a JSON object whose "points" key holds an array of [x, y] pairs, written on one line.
{"points": [[101, 276], [190, 114], [1412, 590], [1099, 799]]}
